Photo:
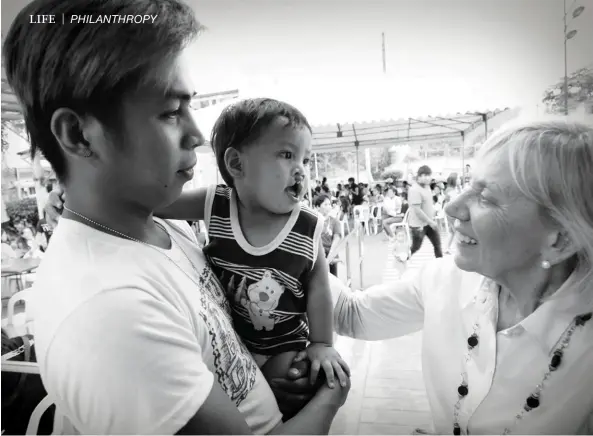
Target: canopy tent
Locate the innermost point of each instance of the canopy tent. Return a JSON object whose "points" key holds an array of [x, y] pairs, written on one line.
{"points": [[459, 128], [462, 129]]}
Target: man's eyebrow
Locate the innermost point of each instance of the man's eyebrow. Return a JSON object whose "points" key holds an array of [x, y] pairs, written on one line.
{"points": [[178, 94]]}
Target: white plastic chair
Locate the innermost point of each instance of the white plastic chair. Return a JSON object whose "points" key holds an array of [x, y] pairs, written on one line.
{"points": [[362, 216], [404, 223], [344, 225], [20, 324], [61, 424], [441, 218], [376, 217]]}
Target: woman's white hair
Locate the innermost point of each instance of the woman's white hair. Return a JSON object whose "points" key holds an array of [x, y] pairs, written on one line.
{"points": [[551, 163]]}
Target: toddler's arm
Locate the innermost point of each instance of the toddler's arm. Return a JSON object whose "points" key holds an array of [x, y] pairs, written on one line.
{"points": [[320, 315]]}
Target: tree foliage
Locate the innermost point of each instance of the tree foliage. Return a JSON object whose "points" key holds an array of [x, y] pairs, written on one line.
{"points": [[25, 209], [580, 91], [392, 174]]}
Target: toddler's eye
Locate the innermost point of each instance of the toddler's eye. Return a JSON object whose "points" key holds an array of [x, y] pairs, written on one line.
{"points": [[287, 154]]}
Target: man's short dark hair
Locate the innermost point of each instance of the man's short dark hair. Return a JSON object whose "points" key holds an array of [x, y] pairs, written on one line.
{"points": [[89, 68], [320, 199], [424, 170], [240, 124]]}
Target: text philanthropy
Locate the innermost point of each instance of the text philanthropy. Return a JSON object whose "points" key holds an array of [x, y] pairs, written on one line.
{"points": [[92, 19], [109, 19]]}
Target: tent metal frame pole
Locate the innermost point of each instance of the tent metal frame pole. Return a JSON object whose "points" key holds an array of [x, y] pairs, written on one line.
{"points": [[463, 157]]}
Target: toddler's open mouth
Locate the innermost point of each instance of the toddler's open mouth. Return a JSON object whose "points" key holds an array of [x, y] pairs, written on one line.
{"points": [[295, 190]]}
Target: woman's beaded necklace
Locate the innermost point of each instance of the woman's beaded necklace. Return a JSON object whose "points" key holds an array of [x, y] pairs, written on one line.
{"points": [[533, 400]]}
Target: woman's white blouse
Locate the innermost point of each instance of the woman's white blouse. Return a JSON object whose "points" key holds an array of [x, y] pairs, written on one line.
{"points": [[504, 368]]}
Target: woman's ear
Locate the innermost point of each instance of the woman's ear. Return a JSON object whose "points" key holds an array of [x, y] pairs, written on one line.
{"points": [[233, 162], [560, 247]]}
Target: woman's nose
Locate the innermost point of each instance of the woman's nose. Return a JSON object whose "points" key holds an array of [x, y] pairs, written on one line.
{"points": [[457, 209]]}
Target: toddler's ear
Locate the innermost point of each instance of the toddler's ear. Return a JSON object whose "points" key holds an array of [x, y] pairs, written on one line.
{"points": [[232, 162]]}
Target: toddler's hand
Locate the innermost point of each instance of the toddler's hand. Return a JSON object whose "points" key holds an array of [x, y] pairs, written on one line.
{"points": [[326, 357]]}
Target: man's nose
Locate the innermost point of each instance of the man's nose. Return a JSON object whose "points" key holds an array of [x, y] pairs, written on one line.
{"points": [[194, 136]]}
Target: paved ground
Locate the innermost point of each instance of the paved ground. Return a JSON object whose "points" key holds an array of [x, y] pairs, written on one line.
{"points": [[387, 395]]}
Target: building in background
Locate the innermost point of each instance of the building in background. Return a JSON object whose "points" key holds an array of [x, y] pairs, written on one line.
{"points": [[205, 100]]}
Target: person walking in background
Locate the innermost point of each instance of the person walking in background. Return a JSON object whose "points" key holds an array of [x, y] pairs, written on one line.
{"points": [[391, 211], [331, 232], [422, 212], [451, 194]]}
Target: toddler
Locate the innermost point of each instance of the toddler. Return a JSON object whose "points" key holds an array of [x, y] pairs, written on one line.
{"points": [[401, 249], [264, 245]]}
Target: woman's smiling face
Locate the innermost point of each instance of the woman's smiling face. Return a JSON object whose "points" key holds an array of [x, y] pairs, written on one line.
{"points": [[499, 231]]}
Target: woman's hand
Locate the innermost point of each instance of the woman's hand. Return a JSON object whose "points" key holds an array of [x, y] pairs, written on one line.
{"points": [[54, 206]]}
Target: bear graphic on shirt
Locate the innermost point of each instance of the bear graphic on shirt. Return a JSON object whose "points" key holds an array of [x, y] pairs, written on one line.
{"points": [[262, 298]]}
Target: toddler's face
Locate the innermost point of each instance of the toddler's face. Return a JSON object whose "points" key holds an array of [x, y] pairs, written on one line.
{"points": [[400, 237], [275, 167]]}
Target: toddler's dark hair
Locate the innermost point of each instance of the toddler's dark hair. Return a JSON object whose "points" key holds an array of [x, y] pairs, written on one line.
{"points": [[243, 122]]}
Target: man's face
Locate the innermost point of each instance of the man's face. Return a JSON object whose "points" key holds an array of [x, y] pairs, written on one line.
{"points": [[424, 179], [151, 155]]}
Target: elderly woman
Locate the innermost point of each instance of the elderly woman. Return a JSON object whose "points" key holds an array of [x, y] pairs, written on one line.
{"points": [[133, 330], [508, 340]]}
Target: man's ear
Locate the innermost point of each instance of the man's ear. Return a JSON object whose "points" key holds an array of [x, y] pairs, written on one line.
{"points": [[233, 162], [69, 129]]}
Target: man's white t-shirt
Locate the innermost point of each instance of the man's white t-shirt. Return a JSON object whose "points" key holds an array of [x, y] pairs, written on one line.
{"points": [[130, 343]]}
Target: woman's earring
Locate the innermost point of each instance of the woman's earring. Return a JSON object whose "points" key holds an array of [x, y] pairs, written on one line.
{"points": [[87, 152], [545, 264]]}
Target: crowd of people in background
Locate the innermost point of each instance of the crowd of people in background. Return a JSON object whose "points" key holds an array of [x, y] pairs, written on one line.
{"points": [[391, 194], [24, 239]]}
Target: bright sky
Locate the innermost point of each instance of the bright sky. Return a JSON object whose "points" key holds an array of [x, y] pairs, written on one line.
{"points": [[441, 54], [324, 56]]}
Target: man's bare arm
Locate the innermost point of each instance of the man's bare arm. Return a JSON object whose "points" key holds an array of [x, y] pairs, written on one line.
{"points": [[422, 215], [218, 415]]}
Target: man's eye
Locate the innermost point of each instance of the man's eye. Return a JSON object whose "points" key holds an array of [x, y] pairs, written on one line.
{"points": [[172, 114]]}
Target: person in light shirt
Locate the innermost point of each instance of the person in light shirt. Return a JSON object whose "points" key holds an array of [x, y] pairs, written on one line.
{"points": [[507, 335], [391, 211]]}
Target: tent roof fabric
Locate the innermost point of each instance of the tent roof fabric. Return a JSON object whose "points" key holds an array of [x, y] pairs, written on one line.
{"points": [[428, 129]]}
